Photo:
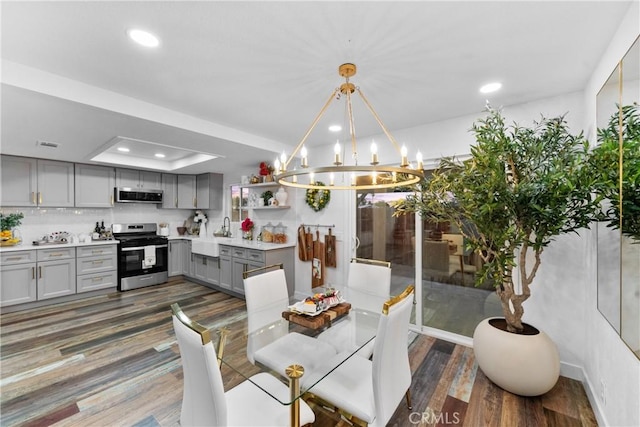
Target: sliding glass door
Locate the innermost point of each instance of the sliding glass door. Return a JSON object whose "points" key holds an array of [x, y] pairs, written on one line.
{"points": [[449, 298]]}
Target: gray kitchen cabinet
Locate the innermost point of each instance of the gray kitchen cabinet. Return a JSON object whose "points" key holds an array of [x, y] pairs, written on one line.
{"points": [[209, 191], [36, 182], [206, 269], [97, 267], [133, 178], [94, 186], [18, 283], [56, 274], [187, 191], [226, 268], [169, 191], [176, 257], [187, 260]]}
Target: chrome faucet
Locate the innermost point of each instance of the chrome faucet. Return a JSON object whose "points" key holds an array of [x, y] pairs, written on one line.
{"points": [[226, 227]]}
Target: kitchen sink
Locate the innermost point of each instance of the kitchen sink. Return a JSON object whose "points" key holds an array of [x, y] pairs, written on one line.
{"points": [[208, 247]]}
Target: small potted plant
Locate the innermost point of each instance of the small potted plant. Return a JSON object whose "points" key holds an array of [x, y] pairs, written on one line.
{"points": [[7, 225], [247, 229]]}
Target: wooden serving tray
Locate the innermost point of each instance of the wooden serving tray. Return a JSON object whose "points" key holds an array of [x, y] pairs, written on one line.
{"points": [[320, 321]]}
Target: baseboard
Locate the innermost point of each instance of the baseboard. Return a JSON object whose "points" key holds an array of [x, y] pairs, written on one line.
{"points": [[596, 405], [569, 370]]}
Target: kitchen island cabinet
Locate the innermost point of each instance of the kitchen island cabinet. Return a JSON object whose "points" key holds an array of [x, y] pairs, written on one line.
{"points": [[36, 182]]}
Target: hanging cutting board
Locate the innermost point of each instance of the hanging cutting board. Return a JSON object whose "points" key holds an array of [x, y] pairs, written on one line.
{"points": [[317, 264], [308, 237], [330, 249], [302, 244]]}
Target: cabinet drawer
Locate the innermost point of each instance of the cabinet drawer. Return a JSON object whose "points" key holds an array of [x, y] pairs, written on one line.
{"points": [[54, 254], [18, 257], [255, 255], [225, 250], [239, 253], [97, 264], [93, 282], [102, 250]]}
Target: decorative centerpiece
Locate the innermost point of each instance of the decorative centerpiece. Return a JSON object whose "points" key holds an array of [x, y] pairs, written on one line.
{"points": [[247, 229], [7, 225], [200, 218], [266, 172]]}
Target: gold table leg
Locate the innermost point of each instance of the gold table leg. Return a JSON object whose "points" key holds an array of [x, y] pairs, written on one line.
{"points": [[294, 372]]}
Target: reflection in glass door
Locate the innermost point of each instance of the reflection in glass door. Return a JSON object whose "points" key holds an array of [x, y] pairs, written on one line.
{"points": [[450, 299]]}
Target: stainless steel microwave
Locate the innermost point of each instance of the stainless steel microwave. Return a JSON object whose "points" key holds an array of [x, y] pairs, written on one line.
{"points": [[137, 195]]}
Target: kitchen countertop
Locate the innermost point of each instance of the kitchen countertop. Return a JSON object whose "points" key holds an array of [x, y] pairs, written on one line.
{"points": [[27, 247], [237, 242]]}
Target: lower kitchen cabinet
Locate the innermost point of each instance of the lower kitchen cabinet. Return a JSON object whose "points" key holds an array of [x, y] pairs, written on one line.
{"points": [[97, 268], [18, 281], [56, 272], [226, 268], [180, 258], [206, 269]]}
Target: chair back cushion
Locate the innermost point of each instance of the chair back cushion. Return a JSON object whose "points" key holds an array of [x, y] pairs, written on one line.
{"points": [[391, 370], [203, 399], [371, 285], [267, 297]]}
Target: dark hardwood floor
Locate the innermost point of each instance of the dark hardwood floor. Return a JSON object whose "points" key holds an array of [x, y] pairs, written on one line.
{"points": [[112, 360]]}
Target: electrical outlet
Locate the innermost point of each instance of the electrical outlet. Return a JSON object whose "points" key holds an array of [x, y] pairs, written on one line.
{"points": [[603, 392]]}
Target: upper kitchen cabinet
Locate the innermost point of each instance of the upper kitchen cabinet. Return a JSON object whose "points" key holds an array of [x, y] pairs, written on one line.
{"points": [[36, 182], [209, 191], [94, 186], [178, 191], [132, 178]]}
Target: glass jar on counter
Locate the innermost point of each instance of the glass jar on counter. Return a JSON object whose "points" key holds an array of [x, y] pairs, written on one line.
{"points": [[280, 233], [267, 233]]}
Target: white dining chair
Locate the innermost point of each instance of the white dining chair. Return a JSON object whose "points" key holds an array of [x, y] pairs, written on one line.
{"points": [[369, 390], [368, 287], [204, 401], [275, 347]]}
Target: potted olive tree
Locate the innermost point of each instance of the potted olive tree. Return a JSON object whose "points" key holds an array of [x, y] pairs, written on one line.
{"points": [[521, 187]]}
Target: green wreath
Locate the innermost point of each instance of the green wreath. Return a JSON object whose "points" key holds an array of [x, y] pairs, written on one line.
{"points": [[318, 199]]}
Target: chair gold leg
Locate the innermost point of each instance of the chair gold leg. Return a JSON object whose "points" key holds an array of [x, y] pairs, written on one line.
{"points": [[294, 372], [408, 396]]}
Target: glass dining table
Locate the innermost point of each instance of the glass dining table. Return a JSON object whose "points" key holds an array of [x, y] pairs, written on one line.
{"points": [[348, 331]]}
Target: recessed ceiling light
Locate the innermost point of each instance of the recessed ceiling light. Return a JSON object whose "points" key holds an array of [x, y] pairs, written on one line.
{"points": [[123, 149], [159, 155], [490, 87], [335, 128], [143, 38]]}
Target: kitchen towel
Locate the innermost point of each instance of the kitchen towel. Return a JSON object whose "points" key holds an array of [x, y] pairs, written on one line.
{"points": [[149, 256]]}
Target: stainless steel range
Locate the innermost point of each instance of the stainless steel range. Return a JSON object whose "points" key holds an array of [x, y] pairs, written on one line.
{"points": [[142, 255]]}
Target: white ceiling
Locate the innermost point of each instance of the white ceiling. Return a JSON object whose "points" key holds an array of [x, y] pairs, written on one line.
{"points": [[244, 80]]}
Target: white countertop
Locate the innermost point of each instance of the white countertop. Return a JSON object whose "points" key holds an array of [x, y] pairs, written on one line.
{"points": [[238, 242], [27, 247]]}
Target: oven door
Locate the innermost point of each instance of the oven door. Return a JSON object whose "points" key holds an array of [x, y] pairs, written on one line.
{"points": [[131, 261]]}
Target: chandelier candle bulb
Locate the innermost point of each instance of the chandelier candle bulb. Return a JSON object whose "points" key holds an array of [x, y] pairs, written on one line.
{"points": [[312, 177], [283, 161], [403, 153], [331, 178], [419, 160], [374, 154], [336, 150], [353, 178], [276, 165], [303, 153]]}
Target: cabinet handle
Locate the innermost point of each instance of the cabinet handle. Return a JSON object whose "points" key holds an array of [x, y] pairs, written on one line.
{"points": [[195, 202], [111, 200], [56, 255], [40, 272], [97, 262], [176, 203], [33, 272], [96, 279], [33, 197], [14, 258], [96, 251], [39, 198]]}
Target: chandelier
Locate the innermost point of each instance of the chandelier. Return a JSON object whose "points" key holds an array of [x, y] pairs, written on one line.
{"points": [[351, 176]]}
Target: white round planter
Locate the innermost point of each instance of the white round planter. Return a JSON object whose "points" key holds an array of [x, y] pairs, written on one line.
{"points": [[526, 365]]}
